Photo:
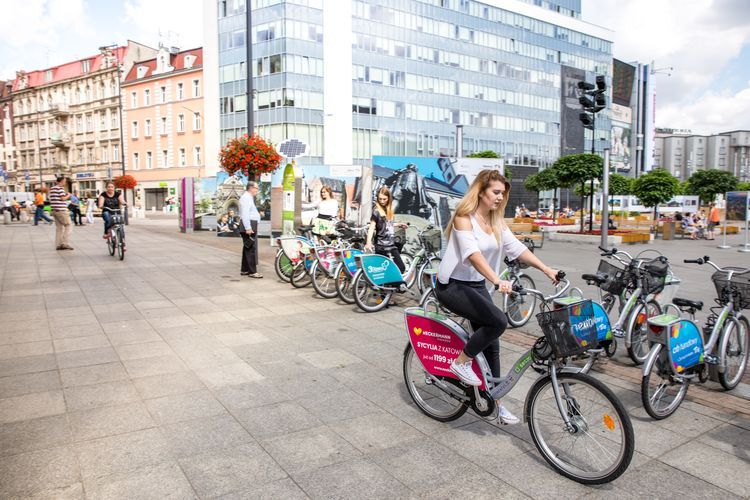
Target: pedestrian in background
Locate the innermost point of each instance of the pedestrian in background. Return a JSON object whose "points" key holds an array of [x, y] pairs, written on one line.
{"points": [[59, 200], [90, 203], [249, 217], [39, 211], [75, 209], [714, 219]]}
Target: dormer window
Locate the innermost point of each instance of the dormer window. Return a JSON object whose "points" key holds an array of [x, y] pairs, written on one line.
{"points": [[141, 71], [189, 61]]}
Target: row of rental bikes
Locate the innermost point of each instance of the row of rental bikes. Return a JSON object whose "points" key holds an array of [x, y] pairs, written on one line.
{"points": [[577, 423]]}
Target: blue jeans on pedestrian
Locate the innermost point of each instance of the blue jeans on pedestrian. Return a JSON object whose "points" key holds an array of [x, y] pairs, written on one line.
{"points": [[40, 214]]}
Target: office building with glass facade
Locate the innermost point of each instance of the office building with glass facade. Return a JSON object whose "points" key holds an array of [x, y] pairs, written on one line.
{"points": [[360, 78]]}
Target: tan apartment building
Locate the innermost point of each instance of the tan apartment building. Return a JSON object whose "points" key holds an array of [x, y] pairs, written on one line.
{"points": [[7, 149], [66, 119], [163, 118]]}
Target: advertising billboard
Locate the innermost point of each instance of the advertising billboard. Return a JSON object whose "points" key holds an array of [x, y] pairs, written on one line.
{"points": [[623, 78], [737, 206], [571, 133], [620, 155]]}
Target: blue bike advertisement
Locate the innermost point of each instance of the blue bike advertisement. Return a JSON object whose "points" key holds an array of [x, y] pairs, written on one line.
{"points": [[685, 346]]}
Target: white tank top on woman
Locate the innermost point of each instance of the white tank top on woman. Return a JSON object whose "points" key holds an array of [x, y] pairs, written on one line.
{"points": [[462, 244]]}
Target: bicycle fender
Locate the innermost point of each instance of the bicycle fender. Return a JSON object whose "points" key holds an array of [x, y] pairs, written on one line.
{"points": [[651, 359]]}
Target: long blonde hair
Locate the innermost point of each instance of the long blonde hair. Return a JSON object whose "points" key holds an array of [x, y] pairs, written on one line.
{"points": [[388, 211], [470, 202]]}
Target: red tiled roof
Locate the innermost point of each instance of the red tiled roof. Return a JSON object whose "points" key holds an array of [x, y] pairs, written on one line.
{"points": [[177, 61], [69, 70]]}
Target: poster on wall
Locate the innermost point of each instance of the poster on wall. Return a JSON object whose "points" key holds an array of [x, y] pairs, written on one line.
{"points": [[571, 135], [737, 206], [620, 152], [427, 190], [341, 180]]}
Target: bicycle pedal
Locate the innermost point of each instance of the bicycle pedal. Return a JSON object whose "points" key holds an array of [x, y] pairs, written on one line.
{"points": [[618, 334], [711, 359]]}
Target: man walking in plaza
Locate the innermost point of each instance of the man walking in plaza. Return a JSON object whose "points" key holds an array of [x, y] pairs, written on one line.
{"points": [[249, 217], [58, 198], [39, 210]]}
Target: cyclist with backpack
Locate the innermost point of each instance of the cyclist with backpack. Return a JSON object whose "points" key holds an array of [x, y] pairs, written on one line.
{"points": [[111, 200]]}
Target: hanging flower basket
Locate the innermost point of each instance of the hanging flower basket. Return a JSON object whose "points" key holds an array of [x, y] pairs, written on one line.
{"points": [[249, 155], [125, 182]]}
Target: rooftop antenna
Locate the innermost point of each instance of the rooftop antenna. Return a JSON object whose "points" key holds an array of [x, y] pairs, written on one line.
{"points": [[662, 71]]}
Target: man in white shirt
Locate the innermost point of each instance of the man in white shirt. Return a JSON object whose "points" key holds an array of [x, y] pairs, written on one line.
{"points": [[249, 216]]}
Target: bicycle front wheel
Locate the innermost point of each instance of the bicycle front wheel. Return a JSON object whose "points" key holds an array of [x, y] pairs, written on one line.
{"points": [[367, 298], [425, 280], [322, 282], [283, 266], [344, 284], [637, 331], [112, 242], [519, 308], [597, 446], [661, 392], [300, 277], [120, 244], [733, 349], [432, 400]]}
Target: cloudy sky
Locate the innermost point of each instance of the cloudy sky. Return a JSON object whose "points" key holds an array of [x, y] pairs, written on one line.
{"points": [[707, 42]]}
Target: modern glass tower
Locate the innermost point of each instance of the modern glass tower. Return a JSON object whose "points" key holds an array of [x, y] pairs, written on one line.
{"points": [[360, 78]]}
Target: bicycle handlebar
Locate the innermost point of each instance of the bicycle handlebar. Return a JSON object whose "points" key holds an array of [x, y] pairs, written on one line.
{"points": [[561, 278], [707, 260], [112, 209]]}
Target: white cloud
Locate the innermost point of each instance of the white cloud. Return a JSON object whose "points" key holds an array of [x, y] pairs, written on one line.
{"points": [[697, 38], [180, 22]]}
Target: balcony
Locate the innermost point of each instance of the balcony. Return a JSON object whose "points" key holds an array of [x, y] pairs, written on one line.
{"points": [[59, 110], [60, 140]]}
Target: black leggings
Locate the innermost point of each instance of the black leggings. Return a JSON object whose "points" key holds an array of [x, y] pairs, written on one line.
{"points": [[394, 254], [471, 300]]}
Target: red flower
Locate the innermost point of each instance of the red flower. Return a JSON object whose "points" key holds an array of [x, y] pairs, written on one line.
{"points": [[249, 155], [125, 182]]}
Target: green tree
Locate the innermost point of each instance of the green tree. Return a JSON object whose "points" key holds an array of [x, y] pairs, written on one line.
{"points": [[483, 154], [576, 170], [708, 183], [620, 185], [743, 186], [657, 186], [545, 180]]}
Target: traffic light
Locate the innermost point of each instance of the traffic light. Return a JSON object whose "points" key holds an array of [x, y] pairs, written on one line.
{"points": [[592, 100], [587, 120]]}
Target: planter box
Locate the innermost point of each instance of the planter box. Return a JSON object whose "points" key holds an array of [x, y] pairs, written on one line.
{"points": [[595, 239], [554, 229]]}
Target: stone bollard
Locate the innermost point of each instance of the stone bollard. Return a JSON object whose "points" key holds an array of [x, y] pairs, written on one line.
{"points": [[6, 217]]}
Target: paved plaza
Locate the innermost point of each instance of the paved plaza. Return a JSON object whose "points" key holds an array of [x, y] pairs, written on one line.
{"points": [[167, 375]]}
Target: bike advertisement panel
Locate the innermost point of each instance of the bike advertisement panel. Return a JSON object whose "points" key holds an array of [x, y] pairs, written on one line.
{"points": [[685, 346], [380, 269], [436, 346]]}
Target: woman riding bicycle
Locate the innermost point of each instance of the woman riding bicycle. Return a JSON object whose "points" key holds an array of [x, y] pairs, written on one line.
{"points": [[381, 234], [109, 200], [478, 238]]}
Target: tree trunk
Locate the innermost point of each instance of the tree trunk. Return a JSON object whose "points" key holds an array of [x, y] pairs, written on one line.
{"points": [[583, 202], [554, 205], [591, 207]]}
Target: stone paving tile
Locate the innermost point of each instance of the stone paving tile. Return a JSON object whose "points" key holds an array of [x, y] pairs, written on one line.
{"points": [[196, 436], [35, 434], [106, 394], [168, 384], [37, 348], [233, 374], [186, 406], [121, 453], [309, 449], [282, 488], [725, 470], [144, 350], [28, 364], [23, 336], [275, 419], [219, 472], [330, 358], [80, 343], [247, 337], [375, 431], [250, 395], [157, 365], [124, 337], [163, 480], [35, 472], [87, 357], [95, 374], [62, 332], [71, 492], [28, 406], [109, 420]]}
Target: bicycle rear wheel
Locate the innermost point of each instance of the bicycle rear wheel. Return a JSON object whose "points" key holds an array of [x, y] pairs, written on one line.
{"points": [[283, 266], [520, 308], [112, 242], [425, 280], [598, 446], [367, 298], [120, 243], [637, 330], [322, 282], [433, 401], [661, 392], [344, 284], [300, 277], [733, 349]]}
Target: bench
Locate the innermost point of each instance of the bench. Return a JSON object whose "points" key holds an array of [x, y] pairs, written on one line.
{"points": [[633, 238], [526, 230]]}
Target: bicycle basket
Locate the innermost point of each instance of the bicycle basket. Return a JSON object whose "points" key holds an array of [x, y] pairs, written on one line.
{"points": [[570, 330], [616, 281], [655, 277], [738, 287], [432, 240]]}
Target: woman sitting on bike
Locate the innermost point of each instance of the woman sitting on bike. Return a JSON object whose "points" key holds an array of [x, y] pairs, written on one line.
{"points": [[328, 209], [478, 238], [381, 234], [111, 200]]}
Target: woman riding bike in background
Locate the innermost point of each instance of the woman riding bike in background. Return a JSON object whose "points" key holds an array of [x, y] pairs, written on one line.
{"points": [[111, 200], [328, 210], [381, 234], [478, 238]]}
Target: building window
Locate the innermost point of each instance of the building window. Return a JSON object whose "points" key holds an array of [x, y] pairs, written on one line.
{"points": [[164, 157], [105, 154], [163, 126], [85, 66], [147, 128], [114, 120], [147, 97], [196, 121], [79, 124], [180, 123], [163, 95], [133, 99], [182, 157], [180, 91], [134, 132], [115, 152], [196, 88], [102, 120], [149, 160], [89, 123], [136, 161], [197, 155]]}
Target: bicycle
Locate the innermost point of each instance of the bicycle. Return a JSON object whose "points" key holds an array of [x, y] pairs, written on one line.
{"points": [[637, 286], [518, 307], [563, 409], [378, 278], [678, 352], [116, 240]]}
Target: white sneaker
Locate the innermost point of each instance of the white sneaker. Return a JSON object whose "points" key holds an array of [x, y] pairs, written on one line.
{"points": [[505, 416], [464, 372]]}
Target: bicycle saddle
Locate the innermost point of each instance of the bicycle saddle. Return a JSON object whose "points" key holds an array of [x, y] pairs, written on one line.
{"points": [[596, 278], [304, 229], [693, 304]]}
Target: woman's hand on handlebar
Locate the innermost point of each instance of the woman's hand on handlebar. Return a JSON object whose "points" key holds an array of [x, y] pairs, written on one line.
{"points": [[504, 286], [552, 274]]}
